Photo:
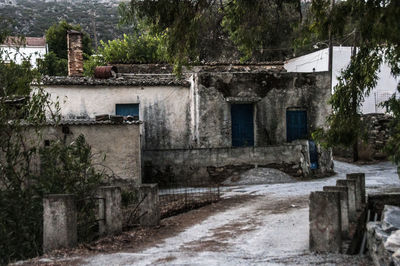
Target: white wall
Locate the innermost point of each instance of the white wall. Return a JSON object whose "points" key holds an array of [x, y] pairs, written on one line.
{"points": [[22, 53], [164, 109], [318, 61]]}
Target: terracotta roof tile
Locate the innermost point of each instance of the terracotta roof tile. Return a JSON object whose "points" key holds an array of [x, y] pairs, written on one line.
{"points": [[27, 41]]}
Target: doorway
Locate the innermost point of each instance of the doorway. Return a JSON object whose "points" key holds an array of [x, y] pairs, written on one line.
{"points": [[242, 125]]}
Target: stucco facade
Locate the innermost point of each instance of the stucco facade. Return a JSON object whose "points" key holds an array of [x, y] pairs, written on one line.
{"points": [[115, 147], [196, 113]]}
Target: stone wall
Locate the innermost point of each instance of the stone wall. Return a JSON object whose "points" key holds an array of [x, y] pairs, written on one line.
{"points": [[194, 115], [383, 237], [377, 132], [164, 109], [272, 94], [215, 164]]}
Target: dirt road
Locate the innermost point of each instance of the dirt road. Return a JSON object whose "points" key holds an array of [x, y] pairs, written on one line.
{"points": [[252, 225]]}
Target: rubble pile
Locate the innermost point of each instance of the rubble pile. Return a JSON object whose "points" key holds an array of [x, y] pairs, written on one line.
{"points": [[384, 237]]}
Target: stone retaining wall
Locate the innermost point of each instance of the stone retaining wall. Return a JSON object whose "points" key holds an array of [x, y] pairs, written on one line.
{"points": [[383, 237], [377, 126], [213, 164]]}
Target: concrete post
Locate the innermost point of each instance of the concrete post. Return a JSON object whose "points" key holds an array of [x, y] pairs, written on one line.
{"points": [[351, 186], [325, 222], [344, 208], [110, 210], [360, 178], [59, 222], [149, 209]]}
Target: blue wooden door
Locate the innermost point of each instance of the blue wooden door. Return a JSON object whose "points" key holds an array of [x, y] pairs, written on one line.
{"points": [[127, 109], [296, 125], [242, 125]]}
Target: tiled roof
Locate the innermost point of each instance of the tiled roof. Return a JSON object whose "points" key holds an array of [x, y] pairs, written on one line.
{"points": [[94, 122], [27, 41]]}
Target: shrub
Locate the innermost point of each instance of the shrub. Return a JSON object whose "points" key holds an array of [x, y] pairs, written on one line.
{"points": [[51, 65], [133, 49]]}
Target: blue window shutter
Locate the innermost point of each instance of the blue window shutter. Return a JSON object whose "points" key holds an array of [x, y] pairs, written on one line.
{"points": [[127, 109]]}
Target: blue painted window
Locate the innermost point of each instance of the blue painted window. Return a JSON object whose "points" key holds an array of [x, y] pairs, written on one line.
{"points": [[127, 109], [296, 125], [242, 125]]}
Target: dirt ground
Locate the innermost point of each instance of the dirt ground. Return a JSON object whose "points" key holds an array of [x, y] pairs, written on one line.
{"points": [[138, 238], [264, 224]]}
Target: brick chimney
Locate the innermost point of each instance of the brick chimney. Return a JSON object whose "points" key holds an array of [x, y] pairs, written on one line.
{"points": [[75, 53]]}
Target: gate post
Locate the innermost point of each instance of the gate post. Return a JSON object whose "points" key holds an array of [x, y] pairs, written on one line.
{"points": [[325, 222], [351, 186], [360, 187], [59, 222], [149, 209], [110, 216], [344, 208]]}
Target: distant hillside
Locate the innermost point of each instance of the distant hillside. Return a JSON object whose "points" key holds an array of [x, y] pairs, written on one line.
{"points": [[34, 17]]}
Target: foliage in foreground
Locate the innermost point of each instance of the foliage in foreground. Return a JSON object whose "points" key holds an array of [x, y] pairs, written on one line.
{"points": [[29, 170], [377, 35], [393, 144]]}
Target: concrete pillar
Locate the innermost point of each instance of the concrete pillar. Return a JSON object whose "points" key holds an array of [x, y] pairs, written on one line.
{"points": [[110, 210], [59, 222], [325, 222], [360, 179], [149, 209], [344, 208], [351, 186], [75, 53]]}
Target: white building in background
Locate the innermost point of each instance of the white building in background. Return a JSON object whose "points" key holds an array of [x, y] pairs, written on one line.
{"points": [[19, 49], [318, 61]]}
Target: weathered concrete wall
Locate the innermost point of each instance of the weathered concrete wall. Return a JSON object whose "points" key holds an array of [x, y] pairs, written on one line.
{"points": [[272, 93], [165, 110], [59, 222], [325, 222], [119, 142], [196, 113], [201, 165], [377, 202]]}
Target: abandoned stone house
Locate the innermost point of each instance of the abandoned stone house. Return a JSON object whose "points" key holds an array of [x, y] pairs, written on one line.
{"points": [[216, 122]]}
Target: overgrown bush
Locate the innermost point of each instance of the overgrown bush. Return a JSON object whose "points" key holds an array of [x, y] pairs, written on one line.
{"points": [[29, 171], [392, 147], [90, 65], [51, 65], [131, 49]]}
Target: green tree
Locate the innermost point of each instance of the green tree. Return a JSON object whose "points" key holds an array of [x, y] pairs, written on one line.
{"points": [[377, 36], [55, 63], [262, 29], [188, 27], [51, 65], [134, 48], [28, 170], [56, 37]]}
